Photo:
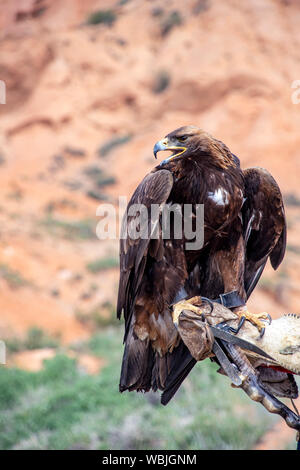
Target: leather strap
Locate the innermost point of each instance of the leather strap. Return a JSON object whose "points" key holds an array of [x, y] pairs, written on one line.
{"points": [[230, 299]]}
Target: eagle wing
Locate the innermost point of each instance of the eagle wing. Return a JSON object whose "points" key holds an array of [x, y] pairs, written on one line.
{"points": [[152, 271], [264, 225], [154, 189]]}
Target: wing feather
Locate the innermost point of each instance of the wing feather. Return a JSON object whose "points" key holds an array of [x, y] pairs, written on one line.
{"points": [[154, 189], [264, 224]]}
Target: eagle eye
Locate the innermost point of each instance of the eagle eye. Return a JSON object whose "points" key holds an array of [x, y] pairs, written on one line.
{"points": [[182, 138]]}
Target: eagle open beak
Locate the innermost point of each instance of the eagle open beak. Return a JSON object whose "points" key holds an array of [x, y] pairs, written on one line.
{"points": [[163, 145]]}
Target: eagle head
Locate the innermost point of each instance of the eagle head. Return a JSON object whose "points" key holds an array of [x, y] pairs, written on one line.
{"points": [[193, 142]]}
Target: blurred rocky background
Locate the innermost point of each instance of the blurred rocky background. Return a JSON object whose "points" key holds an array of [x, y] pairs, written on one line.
{"points": [[90, 87]]}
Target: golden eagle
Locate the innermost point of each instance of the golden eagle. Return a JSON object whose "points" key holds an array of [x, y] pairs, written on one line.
{"points": [[244, 225]]}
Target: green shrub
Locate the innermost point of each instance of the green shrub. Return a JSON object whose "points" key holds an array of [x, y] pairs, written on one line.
{"points": [[99, 177], [293, 249], [80, 229], [173, 19], [201, 6], [101, 316], [75, 152], [112, 143], [102, 264], [161, 82], [36, 338], [107, 17], [291, 199], [12, 277]]}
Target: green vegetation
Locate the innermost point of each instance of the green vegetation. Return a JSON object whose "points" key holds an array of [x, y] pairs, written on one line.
{"points": [[36, 338], [98, 196], [107, 17], [161, 82], [62, 408], [73, 230], [291, 199], [98, 176], [12, 277], [157, 12], [201, 6], [75, 152], [293, 249], [101, 316], [102, 264], [2, 158], [60, 203], [104, 180], [291, 445], [173, 19], [99, 180], [111, 144]]}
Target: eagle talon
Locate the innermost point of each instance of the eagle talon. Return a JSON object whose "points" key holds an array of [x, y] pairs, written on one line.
{"points": [[188, 304], [206, 299], [231, 329], [269, 318], [255, 319], [262, 332]]}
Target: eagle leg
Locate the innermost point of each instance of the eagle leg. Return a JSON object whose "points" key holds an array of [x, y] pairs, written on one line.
{"points": [[254, 318]]}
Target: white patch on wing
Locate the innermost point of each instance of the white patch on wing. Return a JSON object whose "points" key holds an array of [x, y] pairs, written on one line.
{"points": [[220, 197]]}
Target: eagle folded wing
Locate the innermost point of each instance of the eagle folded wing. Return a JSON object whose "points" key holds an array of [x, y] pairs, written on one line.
{"points": [[264, 224], [154, 189]]}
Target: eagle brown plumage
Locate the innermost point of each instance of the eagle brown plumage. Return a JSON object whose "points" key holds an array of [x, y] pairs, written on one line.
{"points": [[244, 226]]}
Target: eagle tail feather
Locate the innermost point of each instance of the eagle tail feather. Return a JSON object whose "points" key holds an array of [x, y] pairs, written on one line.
{"points": [[144, 369], [137, 364], [181, 363]]}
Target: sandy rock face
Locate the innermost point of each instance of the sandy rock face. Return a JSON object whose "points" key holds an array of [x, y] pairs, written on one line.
{"points": [[33, 360], [21, 69]]}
